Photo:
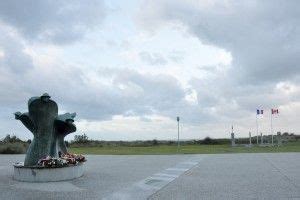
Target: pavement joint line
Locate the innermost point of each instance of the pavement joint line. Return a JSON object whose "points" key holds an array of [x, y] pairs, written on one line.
{"points": [[281, 172], [165, 175], [161, 177], [178, 169], [189, 163], [152, 184]]}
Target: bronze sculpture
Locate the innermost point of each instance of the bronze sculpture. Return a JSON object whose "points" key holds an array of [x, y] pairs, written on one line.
{"points": [[48, 128]]}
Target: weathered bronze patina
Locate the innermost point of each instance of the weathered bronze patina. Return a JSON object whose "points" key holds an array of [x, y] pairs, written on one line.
{"points": [[48, 128]]}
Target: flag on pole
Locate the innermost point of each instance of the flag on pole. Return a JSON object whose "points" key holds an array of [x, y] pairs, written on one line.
{"points": [[259, 112], [274, 111]]}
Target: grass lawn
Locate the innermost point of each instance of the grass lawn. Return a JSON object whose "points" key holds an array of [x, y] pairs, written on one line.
{"points": [[185, 149]]}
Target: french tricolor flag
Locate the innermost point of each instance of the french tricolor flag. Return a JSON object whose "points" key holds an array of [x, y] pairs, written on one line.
{"points": [[259, 112]]}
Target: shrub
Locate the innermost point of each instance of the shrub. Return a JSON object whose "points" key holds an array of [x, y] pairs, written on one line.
{"points": [[13, 148], [154, 142], [11, 139], [81, 139], [209, 140]]}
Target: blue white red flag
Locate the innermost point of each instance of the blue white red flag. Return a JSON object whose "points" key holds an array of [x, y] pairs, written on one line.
{"points": [[259, 112]]}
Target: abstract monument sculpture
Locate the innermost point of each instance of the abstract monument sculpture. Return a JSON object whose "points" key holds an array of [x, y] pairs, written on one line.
{"points": [[47, 127], [49, 130]]}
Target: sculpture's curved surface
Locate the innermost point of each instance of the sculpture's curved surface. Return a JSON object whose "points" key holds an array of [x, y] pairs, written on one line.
{"points": [[64, 126], [47, 127], [26, 120]]}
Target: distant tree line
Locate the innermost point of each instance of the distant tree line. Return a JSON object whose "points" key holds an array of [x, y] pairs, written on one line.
{"points": [[13, 145], [83, 140]]}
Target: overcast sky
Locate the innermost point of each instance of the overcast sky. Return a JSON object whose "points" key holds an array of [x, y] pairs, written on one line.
{"points": [[128, 68]]}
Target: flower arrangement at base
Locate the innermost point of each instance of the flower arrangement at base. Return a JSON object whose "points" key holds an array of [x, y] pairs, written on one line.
{"points": [[63, 161], [73, 158], [49, 162]]}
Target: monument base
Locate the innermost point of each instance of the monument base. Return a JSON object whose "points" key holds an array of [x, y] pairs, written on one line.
{"points": [[41, 174]]}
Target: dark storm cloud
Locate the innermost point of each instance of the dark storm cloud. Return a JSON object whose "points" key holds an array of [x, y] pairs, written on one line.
{"points": [[60, 22]]}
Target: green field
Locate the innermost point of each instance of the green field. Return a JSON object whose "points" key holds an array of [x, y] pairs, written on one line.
{"points": [[185, 149]]}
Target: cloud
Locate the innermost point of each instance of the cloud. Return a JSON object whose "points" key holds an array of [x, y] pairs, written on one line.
{"points": [[13, 56], [177, 56], [262, 36], [221, 60], [97, 94], [15, 62], [152, 58], [56, 22]]}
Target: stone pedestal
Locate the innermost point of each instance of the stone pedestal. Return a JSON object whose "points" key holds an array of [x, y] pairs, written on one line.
{"points": [[41, 174]]}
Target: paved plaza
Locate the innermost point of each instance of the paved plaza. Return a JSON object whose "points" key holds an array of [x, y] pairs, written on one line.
{"points": [[218, 176]]}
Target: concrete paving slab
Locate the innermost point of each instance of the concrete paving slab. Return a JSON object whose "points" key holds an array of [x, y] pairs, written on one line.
{"points": [[238, 176], [145, 188], [223, 176]]}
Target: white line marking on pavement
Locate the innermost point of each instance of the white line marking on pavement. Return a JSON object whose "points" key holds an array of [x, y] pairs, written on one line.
{"points": [[153, 183]]}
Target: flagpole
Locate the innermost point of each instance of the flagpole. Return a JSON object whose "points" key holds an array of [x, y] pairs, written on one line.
{"points": [[178, 144], [256, 130], [272, 126]]}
